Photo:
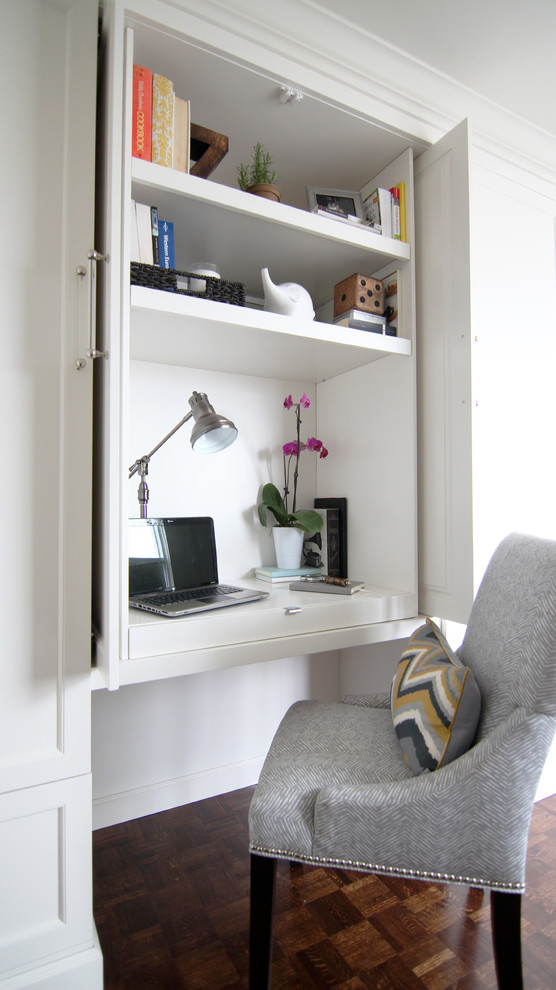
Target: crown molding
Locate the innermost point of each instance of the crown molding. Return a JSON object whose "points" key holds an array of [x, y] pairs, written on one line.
{"points": [[322, 53]]}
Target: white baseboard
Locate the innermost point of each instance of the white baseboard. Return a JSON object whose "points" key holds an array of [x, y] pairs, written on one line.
{"points": [[160, 796], [124, 806], [83, 970]]}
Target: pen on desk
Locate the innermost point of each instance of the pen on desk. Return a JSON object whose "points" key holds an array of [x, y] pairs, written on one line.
{"points": [[320, 579]]}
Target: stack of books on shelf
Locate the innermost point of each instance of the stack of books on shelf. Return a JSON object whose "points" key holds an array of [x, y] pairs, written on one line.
{"points": [[160, 121], [359, 320], [162, 131], [152, 239], [385, 208]]}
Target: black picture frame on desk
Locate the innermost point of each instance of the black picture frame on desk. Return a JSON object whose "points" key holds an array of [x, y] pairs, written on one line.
{"points": [[336, 522]]}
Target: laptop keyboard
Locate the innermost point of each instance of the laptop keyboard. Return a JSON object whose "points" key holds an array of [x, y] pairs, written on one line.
{"points": [[196, 594]]}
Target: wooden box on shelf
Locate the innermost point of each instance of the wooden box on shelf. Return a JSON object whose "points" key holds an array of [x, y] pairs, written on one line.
{"points": [[361, 292], [207, 150]]}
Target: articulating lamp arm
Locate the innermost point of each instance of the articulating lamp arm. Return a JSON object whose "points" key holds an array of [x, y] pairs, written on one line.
{"points": [[141, 465], [210, 434]]}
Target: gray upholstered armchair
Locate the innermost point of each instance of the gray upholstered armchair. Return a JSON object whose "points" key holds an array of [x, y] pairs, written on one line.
{"points": [[336, 790]]}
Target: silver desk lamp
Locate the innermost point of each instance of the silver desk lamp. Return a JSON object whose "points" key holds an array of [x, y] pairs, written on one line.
{"points": [[210, 434]]}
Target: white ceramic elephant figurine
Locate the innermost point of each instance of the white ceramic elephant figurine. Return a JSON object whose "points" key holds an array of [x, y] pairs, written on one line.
{"points": [[288, 298]]}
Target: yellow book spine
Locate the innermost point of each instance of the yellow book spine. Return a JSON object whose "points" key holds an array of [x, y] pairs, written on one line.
{"points": [[403, 225], [162, 121], [181, 134]]}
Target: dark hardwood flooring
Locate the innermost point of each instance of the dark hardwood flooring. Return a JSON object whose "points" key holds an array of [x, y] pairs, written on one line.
{"points": [[171, 903]]}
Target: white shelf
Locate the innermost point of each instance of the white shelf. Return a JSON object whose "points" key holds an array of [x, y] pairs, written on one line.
{"points": [[169, 328], [211, 220]]}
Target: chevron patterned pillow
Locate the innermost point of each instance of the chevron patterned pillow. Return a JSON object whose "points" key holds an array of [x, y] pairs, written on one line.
{"points": [[436, 703]]}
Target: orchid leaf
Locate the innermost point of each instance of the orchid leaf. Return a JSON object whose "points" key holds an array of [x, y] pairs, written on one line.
{"points": [[308, 520]]}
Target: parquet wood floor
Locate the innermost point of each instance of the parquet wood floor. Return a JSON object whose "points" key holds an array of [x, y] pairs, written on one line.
{"points": [[171, 900]]}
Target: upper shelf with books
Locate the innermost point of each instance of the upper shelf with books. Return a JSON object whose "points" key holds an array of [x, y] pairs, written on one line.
{"points": [[210, 220]]}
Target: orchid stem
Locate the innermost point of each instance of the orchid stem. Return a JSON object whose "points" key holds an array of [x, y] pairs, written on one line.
{"points": [[296, 472]]}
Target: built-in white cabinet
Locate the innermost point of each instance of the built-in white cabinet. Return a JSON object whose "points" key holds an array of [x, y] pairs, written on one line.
{"points": [[160, 345], [48, 70]]}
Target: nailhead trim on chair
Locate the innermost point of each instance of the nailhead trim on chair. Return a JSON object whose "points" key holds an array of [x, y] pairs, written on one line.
{"points": [[350, 864]]}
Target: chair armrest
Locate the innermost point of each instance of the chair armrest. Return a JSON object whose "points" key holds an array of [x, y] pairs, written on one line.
{"points": [[367, 700], [465, 822]]}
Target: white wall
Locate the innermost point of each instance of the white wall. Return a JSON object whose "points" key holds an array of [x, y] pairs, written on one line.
{"points": [[514, 356], [370, 669], [166, 743], [226, 485], [514, 320]]}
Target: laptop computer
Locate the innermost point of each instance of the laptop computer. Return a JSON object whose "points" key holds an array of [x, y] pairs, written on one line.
{"points": [[173, 568]]}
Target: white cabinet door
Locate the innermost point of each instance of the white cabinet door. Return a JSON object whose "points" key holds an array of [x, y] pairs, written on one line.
{"points": [[444, 377], [48, 76], [48, 66]]}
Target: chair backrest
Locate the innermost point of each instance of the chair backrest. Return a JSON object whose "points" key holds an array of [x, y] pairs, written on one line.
{"points": [[510, 641]]}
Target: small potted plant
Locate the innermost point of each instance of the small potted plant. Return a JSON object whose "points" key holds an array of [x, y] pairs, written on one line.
{"points": [[258, 176], [291, 526]]}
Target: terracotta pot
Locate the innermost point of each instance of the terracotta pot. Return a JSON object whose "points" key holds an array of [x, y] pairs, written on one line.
{"points": [[266, 190]]}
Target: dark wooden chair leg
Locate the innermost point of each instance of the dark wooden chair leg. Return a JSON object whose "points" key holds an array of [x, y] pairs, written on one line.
{"points": [[263, 874], [505, 914]]}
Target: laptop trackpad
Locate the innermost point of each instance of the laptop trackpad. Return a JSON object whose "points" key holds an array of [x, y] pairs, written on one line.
{"points": [[205, 600]]}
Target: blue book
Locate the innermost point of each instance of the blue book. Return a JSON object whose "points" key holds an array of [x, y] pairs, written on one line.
{"points": [[154, 228], [166, 242]]}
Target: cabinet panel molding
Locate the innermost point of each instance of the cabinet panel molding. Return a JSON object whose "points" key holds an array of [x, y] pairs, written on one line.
{"points": [[45, 895]]}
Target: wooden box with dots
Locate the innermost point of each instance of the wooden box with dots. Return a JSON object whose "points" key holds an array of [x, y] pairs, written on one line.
{"points": [[361, 292]]}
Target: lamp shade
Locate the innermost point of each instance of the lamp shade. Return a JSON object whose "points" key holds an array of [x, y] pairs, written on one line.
{"points": [[211, 432]]}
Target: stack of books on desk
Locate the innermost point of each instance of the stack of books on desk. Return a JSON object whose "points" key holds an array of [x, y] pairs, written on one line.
{"points": [[279, 575]]}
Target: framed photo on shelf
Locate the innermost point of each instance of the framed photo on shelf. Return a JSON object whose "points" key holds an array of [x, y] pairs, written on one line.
{"points": [[340, 203], [336, 534]]}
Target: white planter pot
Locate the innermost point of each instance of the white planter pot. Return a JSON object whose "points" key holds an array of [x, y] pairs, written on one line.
{"points": [[288, 544]]}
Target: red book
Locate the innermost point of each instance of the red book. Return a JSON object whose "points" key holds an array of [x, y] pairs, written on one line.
{"points": [[396, 216], [141, 112]]}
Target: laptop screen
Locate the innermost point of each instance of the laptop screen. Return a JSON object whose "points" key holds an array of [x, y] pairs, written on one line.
{"points": [[168, 554]]}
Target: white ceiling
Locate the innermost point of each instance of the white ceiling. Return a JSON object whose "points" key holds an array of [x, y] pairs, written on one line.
{"points": [[503, 49]]}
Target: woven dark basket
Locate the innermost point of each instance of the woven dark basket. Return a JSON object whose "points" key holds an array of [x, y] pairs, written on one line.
{"points": [[166, 279]]}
